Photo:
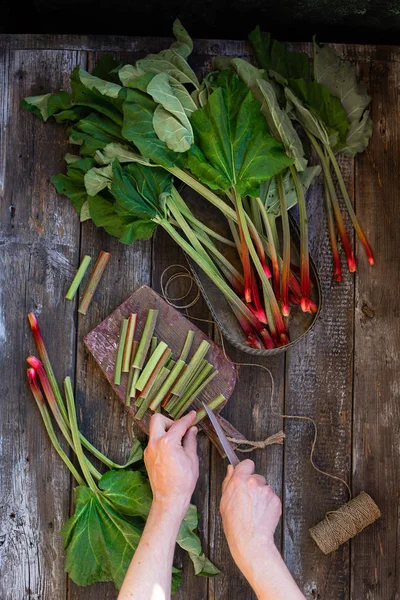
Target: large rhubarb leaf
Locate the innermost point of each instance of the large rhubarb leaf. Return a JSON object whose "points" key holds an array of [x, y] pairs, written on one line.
{"points": [[233, 147], [273, 56], [340, 77]]}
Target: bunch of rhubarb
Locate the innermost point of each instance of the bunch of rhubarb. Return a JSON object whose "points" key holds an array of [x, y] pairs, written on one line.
{"points": [[154, 379], [110, 506], [145, 128]]}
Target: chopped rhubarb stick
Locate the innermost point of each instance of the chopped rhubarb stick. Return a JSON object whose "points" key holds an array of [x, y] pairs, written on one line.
{"points": [[76, 282], [167, 385], [37, 394], [266, 338], [188, 373], [350, 208], [351, 263], [286, 246], [187, 401], [120, 351], [151, 365], [130, 334], [187, 345], [253, 342], [63, 424], [272, 249], [304, 256], [212, 405], [337, 267], [94, 281], [131, 374], [161, 363], [163, 374], [145, 340]]}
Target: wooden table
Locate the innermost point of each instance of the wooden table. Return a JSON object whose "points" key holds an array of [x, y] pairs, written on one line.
{"points": [[345, 374]]}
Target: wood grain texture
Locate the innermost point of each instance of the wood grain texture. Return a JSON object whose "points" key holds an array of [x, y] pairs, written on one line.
{"points": [[166, 253], [375, 553], [39, 242], [39, 252]]}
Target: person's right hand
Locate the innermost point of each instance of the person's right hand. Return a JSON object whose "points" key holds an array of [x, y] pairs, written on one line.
{"points": [[250, 512]]}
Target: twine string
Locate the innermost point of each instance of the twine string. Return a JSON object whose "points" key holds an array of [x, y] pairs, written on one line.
{"points": [[251, 445]]}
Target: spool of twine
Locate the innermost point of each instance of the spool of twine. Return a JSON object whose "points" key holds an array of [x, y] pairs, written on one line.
{"points": [[346, 522]]}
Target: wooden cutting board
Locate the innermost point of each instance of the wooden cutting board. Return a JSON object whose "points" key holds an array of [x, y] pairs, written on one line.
{"points": [[172, 328]]}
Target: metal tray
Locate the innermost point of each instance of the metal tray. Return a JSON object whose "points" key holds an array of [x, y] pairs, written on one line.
{"points": [[300, 323]]}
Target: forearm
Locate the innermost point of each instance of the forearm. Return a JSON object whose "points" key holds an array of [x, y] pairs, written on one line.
{"points": [[149, 574], [270, 578]]}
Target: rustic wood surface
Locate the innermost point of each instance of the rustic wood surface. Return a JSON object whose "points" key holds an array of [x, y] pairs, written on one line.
{"points": [[344, 374]]}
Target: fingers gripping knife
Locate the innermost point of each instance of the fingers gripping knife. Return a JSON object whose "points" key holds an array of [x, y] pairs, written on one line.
{"points": [[227, 446]]}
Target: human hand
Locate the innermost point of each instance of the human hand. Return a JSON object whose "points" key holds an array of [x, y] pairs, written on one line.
{"points": [[172, 463], [250, 512]]}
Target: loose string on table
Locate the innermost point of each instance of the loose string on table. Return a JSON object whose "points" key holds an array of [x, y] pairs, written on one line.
{"points": [[251, 445]]}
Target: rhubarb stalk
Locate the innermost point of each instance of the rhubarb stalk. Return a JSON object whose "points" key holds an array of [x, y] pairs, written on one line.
{"points": [[37, 394], [120, 351], [304, 256], [337, 267], [130, 334], [212, 405]]}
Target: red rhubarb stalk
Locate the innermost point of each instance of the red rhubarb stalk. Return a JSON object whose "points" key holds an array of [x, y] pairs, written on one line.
{"points": [[337, 267], [272, 249], [304, 256], [245, 257], [286, 246], [349, 207], [335, 204]]}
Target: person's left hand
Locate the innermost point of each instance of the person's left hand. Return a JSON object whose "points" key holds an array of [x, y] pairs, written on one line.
{"points": [[171, 461]]}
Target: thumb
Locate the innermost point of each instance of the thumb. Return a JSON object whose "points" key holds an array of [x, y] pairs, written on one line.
{"points": [[189, 442]]}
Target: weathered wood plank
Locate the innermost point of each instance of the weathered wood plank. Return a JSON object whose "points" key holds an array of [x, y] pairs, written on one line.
{"points": [[250, 412], [165, 253], [101, 416], [319, 385], [375, 553], [38, 253]]}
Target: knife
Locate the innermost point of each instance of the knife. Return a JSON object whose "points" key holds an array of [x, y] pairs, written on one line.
{"points": [[227, 446]]}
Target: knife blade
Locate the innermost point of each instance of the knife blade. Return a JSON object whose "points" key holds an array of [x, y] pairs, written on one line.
{"points": [[227, 446]]}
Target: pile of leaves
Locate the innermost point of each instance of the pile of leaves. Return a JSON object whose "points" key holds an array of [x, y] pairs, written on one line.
{"points": [[236, 138], [111, 508]]}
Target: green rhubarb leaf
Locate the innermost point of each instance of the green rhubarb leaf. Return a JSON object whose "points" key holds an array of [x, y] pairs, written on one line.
{"points": [[309, 120], [98, 179], [122, 153], [340, 77], [107, 68], [328, 109], [99, 542], [269, 193], [126, 228], [233, 147], [138, 128], [170, 121], [128, 491], [106, 88], [89, 96], [273, 55], [94, 133], [139, 190], [280, 125], [85, 212], [189, 540], [184, 43], [72, 183]]}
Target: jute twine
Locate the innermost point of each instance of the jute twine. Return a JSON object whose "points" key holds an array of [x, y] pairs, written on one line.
{"points": [[342, 524], [338, 526]]}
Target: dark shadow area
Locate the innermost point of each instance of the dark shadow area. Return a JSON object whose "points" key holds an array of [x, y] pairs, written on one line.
{"points": [[364, 21]]}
